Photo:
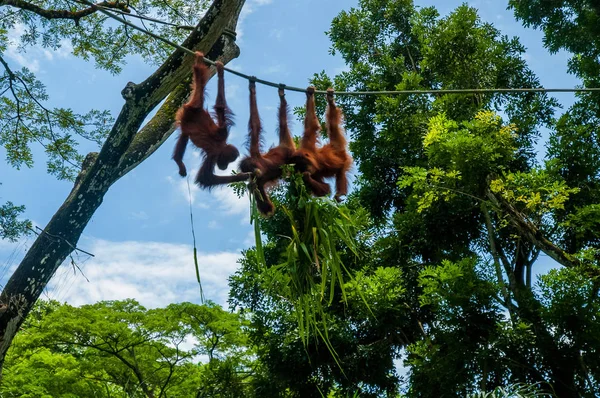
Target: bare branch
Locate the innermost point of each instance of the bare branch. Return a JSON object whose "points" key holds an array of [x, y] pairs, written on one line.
{"points": [[63, 14], [492, 240], [532, 233]]}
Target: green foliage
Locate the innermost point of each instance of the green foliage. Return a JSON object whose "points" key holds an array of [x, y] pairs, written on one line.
{"points": [[378, 290], [512, 391], [483, 141], [11, 227], [460, 157], [391, 46], [311, 263], [29, 121], [535, 192], [430, 185], [119, 348], [348, 319], [571, 308], [571, 25], [584, 221], [466, 315], [575, 157], [454, 285], [94, 37], [446, 193], [43, 373], [444, 284]]}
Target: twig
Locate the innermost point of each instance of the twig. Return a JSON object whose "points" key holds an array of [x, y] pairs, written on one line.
{"points": [[59, 237]]}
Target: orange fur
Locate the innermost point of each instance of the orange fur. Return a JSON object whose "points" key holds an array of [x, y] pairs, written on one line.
{"points": [[330, 160], [198, 125], [267, 166]]}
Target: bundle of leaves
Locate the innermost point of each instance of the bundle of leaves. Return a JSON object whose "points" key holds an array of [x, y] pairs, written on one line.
{"points": [[307, 262]]}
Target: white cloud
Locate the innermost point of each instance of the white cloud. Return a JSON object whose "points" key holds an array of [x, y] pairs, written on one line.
{"points": [[153, 273], [181, 186], [34, 55], [139, 215], [6, 245], [192, 164], [65, 50], [273, 69], [250, 239], [248, 9], [27, 61], [231, 204], [276, 33], [222, 197], [12, 50], [48, 54], [232, 90]]}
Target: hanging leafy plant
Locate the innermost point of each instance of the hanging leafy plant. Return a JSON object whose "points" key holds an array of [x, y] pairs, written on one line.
{"points": [[310, 272]]}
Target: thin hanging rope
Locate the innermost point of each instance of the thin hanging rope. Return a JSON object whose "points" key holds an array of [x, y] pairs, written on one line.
{"points": [[303, 90], [194, 241]]}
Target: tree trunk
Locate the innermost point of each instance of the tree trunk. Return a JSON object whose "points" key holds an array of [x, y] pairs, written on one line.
{"points": [[559, 362], [124, 149]]}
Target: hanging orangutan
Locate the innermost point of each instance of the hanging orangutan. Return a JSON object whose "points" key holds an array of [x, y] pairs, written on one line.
{"points": [[266, 167], [198, 125], [330, 160]]}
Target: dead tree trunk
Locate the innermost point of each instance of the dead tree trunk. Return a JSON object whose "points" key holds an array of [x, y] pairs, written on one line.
{"points": [[125, 148]]}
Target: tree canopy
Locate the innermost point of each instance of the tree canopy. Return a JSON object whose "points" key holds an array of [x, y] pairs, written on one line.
{"points": [[121, 349], [125, 143], [462, 212]]}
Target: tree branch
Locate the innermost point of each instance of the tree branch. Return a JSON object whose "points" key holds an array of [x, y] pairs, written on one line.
{"points": [[63, 14], [492, 240], [532, 233]]}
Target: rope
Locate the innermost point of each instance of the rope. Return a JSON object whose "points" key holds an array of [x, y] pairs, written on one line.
{"points": [[357, 93], [125, 22]]}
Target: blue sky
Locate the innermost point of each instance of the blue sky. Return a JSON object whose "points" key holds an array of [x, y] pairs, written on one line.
{"points": [[141, 234]]}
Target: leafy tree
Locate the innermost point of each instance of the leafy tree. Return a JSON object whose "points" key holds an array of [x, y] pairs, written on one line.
{"points": [[119, 348], [124, 143], [394, 46], [571, 25], [335, 344], [462, 213], [573, 146], [11, 227]]}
